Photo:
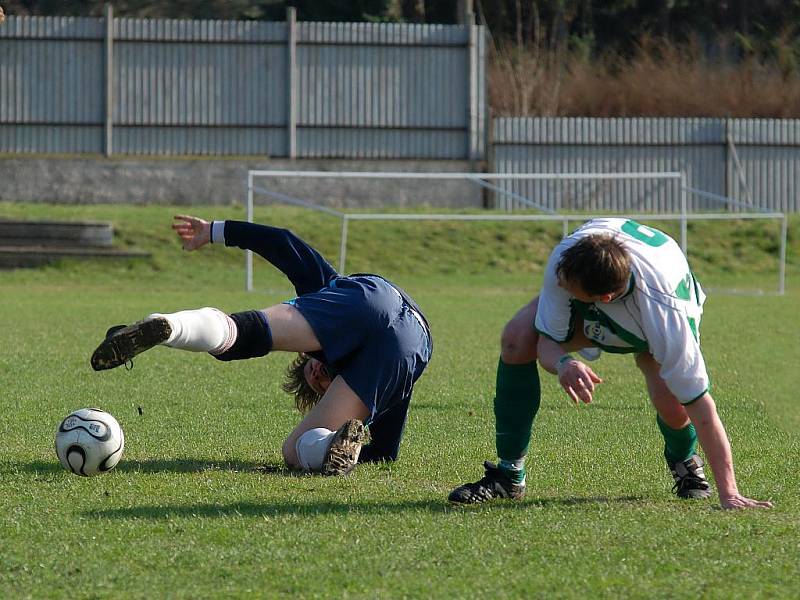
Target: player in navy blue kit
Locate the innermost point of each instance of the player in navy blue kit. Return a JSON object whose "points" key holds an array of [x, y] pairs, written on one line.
{"points": [[362, 343]]}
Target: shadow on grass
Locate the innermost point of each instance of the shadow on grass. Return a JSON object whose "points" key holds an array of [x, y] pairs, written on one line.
{"points": [[322, 508], [178, 465]]}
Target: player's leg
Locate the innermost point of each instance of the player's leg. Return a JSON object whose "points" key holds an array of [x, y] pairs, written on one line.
{"points": [[516, 402], [290, 330], [680, 438], [200, 330], [517, 392], [247, 334], [328, 439], [387, 347]]}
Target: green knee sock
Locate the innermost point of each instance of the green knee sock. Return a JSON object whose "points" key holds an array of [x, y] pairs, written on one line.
{"points": [[679, 444], [515, 405]]}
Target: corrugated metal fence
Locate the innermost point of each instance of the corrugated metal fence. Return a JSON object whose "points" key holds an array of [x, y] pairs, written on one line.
{"points": [[355, 90], [756, 162], [351, 90]]}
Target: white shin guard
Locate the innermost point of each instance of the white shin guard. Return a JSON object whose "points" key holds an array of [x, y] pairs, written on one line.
{"points": [[201, 330], [312, 446]]}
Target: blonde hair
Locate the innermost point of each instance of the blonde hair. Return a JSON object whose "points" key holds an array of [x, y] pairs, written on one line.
{"points": [[305, 398]]}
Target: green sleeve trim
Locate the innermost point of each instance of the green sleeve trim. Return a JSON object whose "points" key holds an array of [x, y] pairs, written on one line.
{"points": [[616, 349], [570, 333], [696, 285], [693, 400], [550, 337]]}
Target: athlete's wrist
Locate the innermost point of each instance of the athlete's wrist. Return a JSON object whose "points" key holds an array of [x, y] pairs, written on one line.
{"points": [[216, 232], [563, 361]]}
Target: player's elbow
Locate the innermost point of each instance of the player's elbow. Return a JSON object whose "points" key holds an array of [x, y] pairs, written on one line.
{"points": [[289, 452]]}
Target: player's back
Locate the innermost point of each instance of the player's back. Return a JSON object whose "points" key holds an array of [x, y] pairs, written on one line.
{"points": [[657, 261]]}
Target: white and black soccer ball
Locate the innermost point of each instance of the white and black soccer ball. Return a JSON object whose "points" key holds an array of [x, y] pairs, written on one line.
{"points": [[89, 442]]}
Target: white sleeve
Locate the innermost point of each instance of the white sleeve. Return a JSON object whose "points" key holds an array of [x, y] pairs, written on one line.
{"points": [[674, 346], [553, 315], [218, 232]]}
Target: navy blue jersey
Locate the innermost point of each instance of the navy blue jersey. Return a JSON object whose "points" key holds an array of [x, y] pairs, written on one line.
{"points": [[371, 332]]}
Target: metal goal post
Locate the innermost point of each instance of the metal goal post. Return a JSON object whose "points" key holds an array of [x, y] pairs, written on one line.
{"points": [[486, 180]]}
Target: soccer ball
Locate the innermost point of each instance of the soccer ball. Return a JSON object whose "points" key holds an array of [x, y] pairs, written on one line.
{"points": [[89, 441]]}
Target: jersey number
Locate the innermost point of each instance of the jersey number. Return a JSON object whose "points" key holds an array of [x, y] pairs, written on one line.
{"points": [[643, 233]]}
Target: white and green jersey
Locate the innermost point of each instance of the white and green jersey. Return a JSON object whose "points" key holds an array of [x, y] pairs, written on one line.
{"points": [[660, 313]]}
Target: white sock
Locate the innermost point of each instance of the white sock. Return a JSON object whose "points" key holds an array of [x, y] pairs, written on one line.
{"points": [[312, 446], [201, 330]]}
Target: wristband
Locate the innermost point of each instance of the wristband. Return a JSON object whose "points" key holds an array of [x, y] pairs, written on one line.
{"points": [[562, 361], [217, 232]]}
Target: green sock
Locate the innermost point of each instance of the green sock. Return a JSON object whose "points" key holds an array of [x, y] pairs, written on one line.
{"points": [[516, 402], [679, 444]]}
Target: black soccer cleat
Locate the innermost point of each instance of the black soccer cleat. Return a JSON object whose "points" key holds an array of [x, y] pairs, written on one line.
{"points": [[123, 342], [690, 480], [344, 449], [494, 484]]}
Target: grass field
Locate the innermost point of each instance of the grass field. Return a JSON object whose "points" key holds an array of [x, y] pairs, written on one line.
{"points": [[201, 507]]}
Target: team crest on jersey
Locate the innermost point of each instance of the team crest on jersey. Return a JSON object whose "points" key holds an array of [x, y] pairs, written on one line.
{"points": [[594, 331]]}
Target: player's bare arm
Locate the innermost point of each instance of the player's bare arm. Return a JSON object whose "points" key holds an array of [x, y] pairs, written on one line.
{"points": [[576, 377], [338, 405], [714, 440]]}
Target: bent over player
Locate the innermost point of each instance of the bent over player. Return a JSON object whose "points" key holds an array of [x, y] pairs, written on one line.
{"points": [[363, 343], [617, 286]]}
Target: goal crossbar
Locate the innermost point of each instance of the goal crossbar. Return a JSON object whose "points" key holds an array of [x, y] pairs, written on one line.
{"points": [[466, 175], [480, 178]]}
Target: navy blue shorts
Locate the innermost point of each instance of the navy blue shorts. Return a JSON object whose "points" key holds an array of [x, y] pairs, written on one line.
{"points": [[370, 336]]}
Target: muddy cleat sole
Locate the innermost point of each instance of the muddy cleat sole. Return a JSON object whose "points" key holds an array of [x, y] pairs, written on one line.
{"points": [[495, 484], [343, 452], [690, 479], [122, 342]]}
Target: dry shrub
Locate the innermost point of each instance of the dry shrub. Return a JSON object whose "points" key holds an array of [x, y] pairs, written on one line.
{"points": [[659, 80]]}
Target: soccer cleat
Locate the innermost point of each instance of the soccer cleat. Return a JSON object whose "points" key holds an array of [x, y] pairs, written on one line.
{"points": [[344, 449], [122, 342], [690, 480], [494, 484]]}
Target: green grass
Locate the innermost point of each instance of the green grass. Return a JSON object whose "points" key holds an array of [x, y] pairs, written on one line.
{"points": [[201, 507]]}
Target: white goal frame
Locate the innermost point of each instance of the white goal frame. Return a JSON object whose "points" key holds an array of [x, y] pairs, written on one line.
{"points": [[484, 180]]}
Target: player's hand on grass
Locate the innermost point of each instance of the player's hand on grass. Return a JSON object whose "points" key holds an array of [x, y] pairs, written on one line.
{"points": [[578, 380], [193, 232], [739, 501]]}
